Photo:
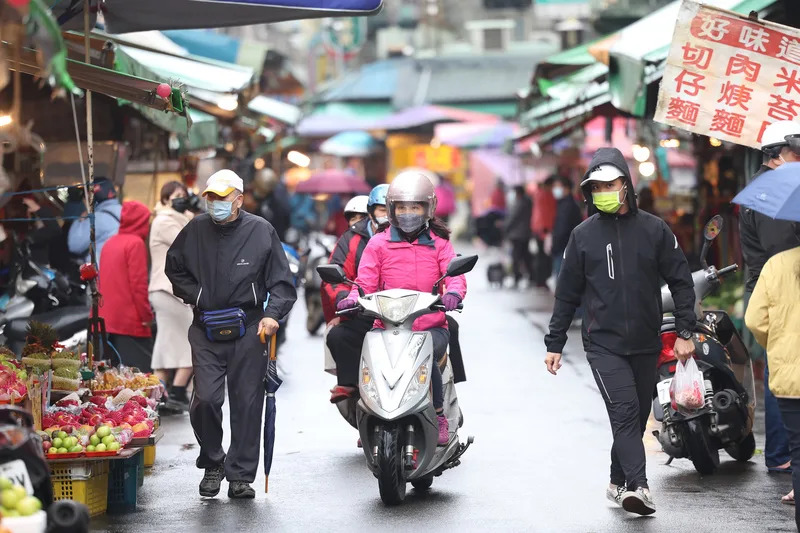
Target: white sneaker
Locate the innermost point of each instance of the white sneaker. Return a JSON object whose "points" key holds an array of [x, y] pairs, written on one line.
{"points": [[614, 493], [639, 502]]}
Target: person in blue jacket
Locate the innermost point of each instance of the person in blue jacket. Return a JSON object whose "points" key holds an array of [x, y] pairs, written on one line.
{"points": [[107, 211]]}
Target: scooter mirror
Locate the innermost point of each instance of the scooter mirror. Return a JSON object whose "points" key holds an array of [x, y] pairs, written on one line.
{"points": [[331, 273], [713, 228], [461, 265]]}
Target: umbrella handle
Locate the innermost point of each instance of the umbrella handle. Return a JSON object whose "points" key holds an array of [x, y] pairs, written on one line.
{"points": [[266, 485], [273, 346]]}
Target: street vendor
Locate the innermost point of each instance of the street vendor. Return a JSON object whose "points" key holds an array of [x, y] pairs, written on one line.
{"points": [[227, 264]]}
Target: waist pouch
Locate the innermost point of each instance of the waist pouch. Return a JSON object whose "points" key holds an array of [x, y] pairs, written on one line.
{"points": [[225, 324]]}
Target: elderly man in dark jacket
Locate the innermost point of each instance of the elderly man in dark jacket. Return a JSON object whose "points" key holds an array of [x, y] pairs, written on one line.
{"points": [[518, 232], [228, 264]]}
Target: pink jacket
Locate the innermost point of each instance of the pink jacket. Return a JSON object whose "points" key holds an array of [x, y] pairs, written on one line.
{"points": [[388, 262]]}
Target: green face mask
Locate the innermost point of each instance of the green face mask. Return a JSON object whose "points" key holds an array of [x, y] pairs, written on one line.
{"points": [[607, 202]]}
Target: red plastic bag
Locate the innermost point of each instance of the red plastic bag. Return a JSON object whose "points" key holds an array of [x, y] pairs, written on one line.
{"points": [[688, 388]]}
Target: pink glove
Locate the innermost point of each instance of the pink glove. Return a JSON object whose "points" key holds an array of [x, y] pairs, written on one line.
{"points": [[450, 301], [347, 303]]}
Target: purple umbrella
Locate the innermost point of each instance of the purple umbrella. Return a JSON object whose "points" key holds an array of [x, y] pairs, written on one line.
{"points": [[333, 182]]}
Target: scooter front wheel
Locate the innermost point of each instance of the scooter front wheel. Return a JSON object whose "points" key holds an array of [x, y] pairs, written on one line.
{"points": [[391, 475]]}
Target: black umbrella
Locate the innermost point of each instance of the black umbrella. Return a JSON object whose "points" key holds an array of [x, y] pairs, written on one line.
{"points": [[272, 382]]}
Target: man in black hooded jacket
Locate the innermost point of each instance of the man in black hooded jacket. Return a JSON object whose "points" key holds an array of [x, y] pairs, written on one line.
{"points": [[612, 267]]}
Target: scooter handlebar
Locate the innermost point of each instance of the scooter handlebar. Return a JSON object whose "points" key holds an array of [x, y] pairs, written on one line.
{"points": [[440, 307], [727, 270], [350, 311]]}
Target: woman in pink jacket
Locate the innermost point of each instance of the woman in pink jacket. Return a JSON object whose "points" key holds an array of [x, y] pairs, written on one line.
{"points": [[413, 254]]}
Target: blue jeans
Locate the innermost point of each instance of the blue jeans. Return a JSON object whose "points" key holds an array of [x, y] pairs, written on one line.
{"points": [[776, 449]]}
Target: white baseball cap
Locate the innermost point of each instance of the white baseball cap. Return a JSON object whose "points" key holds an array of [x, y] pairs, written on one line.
{"points": [[224, 182], [604, 173]]}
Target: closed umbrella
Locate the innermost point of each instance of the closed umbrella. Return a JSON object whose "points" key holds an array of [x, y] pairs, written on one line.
{"points": [[333, 182], [272, 382], [775, 193]]}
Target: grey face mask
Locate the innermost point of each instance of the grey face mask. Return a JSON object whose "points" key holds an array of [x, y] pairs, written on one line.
{"points": [[410, 223], [380, 221]]}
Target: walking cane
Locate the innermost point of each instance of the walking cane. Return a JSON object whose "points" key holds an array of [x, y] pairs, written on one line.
{"points": [[272, 382]]}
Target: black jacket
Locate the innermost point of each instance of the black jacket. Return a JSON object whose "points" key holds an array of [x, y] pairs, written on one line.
{"points": [[763, 237], [568, 217], [612, 266], [518, 223], [214, 267]]}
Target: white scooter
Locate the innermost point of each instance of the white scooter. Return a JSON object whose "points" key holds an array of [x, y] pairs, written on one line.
{"points": [[395, 415]]}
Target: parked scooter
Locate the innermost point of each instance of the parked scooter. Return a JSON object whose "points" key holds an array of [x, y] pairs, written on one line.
{"points": [[395, 416], [726, 420], [320, 247]]}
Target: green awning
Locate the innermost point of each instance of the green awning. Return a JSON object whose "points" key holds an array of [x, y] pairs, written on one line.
{"points": [[275, 109], [203, 133], [501, 109], [646, 42]]}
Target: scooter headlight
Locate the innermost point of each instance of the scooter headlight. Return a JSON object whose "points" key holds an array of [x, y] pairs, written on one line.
{"points": [[396, 309], [368, 387], [419, 382]]}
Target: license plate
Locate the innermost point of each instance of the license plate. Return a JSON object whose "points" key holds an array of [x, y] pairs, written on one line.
{"points": [[663, 391], [17, 472]]}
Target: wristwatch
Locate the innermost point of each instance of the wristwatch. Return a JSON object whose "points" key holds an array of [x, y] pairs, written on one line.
{"points": [[685, 334]]}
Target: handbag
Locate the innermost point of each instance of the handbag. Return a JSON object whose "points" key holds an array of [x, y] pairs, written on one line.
{"points": [[225, 324]]}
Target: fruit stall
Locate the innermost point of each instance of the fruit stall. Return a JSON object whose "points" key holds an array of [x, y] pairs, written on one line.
{"points": [[98, 425]]}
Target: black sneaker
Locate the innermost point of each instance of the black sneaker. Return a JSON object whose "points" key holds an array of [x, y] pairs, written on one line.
{"points": [[177, 406], [209, 487], [241, 490]]}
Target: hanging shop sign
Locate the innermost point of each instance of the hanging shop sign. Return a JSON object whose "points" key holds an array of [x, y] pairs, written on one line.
{"points": [[729, 76]]}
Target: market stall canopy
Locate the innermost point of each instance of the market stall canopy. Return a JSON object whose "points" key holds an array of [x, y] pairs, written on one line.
{"points": [[333, 182], [425, 115], [275, 109], [221, 47], [350, 144], [136, 15], [336, 117], [476, 135], [636, 58]]}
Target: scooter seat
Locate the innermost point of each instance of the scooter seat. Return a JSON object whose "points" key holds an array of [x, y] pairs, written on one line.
{"points": [[67, 321]]}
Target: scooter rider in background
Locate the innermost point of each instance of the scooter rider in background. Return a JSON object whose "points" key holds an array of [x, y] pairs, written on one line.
{"points": [[612, 266], [357, 209], [346, 337], [415, 238], [763, 237]]}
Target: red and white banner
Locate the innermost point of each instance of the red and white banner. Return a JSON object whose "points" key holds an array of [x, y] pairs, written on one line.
{"points": [[729, 77]]}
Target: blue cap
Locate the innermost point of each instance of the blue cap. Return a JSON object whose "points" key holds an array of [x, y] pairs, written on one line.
{"points": [[378, 195]]}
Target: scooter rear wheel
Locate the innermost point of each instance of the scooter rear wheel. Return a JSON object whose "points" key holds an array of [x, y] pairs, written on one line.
{"points": [[315, 318], [391, 476], [422, 484], [743, 451], [704, 456]]}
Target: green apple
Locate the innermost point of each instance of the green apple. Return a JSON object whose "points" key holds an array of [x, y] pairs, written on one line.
{"points": [[103, 431], [63, 450], [94, 440], [90, 448], [76, 449], [29, 505], [5, 483], [108, 439], [20, 490], [114, 446], [9, 498], [12, 513], [57, 442], [100, 447], [52, 451], [62, 435]]}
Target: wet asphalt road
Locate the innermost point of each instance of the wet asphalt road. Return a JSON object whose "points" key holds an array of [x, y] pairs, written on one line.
{"points": [[539, 462]]}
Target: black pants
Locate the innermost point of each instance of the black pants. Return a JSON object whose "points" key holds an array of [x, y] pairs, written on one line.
{"points": [[456, 358], [790, 410], [133, 351], [627, 385], [544, 264], [346, 339], [344, 342], [244, 365], [522, 260]]}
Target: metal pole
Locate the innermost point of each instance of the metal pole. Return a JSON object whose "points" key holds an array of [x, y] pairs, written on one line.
{"points": [[89, 195]]}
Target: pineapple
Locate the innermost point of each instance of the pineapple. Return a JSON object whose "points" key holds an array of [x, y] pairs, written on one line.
{"points": [[41, 338]]}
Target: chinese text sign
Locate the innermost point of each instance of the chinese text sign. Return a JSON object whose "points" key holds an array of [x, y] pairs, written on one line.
{"points": [[729, 77]]}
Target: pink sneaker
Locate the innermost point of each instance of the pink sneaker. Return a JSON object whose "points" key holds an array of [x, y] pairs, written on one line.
{"points": [[444, 430]]}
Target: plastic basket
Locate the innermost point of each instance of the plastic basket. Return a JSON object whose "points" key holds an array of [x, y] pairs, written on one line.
{"points": [[85, 482], [149, 455], [123, 482]]}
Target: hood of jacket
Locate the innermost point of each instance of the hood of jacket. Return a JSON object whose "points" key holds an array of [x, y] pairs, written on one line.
{"points": [[610, 156], [135, 219]]}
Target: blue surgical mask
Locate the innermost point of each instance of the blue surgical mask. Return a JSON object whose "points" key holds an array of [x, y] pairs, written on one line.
{"points": [[558, 193], [220, 210]]}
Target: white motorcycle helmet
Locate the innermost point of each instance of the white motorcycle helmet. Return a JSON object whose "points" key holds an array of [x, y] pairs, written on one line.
{"points": [[356, 205], [777, 136], [413, 185]]}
